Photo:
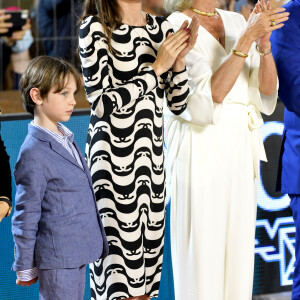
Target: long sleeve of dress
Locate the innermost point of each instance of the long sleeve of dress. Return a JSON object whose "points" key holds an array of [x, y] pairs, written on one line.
{"points": [[103, 96], [177, 91]]}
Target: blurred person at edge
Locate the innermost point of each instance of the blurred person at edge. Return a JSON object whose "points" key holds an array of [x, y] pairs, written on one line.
{"points": [[57, 25], [17, 43], [214, 148], [5, 182], [286, 50]]}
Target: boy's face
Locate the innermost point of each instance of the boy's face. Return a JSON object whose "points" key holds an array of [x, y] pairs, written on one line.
{"points": [[58, 107]]}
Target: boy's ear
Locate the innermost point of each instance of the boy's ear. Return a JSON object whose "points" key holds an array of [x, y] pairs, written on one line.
{"points": [[36, 96]]}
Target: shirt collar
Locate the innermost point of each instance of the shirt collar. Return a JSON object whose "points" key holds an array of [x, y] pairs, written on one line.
{"points": [[66, 133]]}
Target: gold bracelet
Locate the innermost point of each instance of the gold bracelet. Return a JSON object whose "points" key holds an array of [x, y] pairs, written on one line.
{"points": [[261, 53], [238, 53]]}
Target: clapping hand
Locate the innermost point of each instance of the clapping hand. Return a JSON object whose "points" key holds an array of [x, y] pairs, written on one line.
{"points": [[193, 30], [260, 7], [263, 20], [173, 50]]}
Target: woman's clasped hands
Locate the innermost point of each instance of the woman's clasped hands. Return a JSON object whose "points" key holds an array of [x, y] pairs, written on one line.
{"points": [[263, 20], [173, 50]]}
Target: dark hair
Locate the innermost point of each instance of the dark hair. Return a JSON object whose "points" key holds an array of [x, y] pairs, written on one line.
{"points": [[109, 14], [44, 73]]}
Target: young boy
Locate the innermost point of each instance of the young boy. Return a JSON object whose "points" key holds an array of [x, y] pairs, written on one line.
{"points": [[56, 226]]}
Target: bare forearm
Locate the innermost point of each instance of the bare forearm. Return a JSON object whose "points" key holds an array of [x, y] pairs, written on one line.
{"points": [[226, 75], [267, 72]]}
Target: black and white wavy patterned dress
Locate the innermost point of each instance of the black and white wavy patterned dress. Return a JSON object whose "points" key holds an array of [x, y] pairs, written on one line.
{"points": [[125, 151]]}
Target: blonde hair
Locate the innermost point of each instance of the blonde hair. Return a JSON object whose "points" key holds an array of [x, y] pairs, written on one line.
{"points": [[177, 5]]}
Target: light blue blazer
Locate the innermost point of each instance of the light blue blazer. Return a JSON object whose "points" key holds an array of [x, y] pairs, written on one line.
{"points": [[56, 223], [286, 52]]}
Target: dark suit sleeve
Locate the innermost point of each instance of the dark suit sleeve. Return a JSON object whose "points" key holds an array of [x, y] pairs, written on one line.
{"points": [[286, 49], [5, 183], [31, 186]]}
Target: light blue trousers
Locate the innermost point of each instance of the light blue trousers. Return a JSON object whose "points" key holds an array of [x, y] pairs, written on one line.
{"points": [[62, 284]]}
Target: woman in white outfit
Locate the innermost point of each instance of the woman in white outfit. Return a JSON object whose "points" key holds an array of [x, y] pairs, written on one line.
{"points": [[214, 149]]}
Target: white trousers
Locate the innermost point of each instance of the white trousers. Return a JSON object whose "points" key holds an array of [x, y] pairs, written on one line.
{"points": [[213, 211]]}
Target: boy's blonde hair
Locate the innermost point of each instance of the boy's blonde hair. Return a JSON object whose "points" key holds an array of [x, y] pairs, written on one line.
{"points": [[44, 73], [177, 5]]}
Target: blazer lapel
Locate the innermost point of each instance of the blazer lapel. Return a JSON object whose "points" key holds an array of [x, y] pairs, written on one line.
{"points": [[60, 150], [54, 145]]}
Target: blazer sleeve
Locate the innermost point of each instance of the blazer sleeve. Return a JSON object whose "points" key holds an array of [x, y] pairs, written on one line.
{"points": [[104, 97], [31, 185], [5, 185], [286, 49], [176, 83]]}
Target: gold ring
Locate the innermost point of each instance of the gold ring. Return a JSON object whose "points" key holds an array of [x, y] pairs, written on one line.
{"points": [[273, 23]]}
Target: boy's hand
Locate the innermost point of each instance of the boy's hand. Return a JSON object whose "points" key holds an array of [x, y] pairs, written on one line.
{"points": [[27, 283]]}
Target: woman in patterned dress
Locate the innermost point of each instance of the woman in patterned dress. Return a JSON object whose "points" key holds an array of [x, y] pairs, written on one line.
{"points": [[130, 60]]}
